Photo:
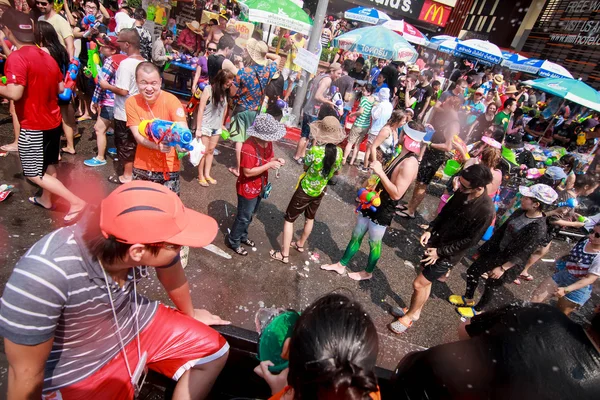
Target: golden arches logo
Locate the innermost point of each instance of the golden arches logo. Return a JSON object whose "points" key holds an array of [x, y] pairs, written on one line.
{"points": [[433, 11]]}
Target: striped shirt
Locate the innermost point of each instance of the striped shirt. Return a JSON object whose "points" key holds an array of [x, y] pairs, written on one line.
{"points": [[364, 119], [57, 290], [581, 263]]}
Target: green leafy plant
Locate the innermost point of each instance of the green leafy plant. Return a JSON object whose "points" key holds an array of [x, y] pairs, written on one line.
{"points": [[276, 40], [134, 3]]}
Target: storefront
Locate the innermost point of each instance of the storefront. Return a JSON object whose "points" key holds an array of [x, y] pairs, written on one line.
{"points": [[568, 32]]}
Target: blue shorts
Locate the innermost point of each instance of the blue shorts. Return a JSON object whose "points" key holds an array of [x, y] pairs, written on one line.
{"points": [[306, 121], [107, 113], [580, 296]]}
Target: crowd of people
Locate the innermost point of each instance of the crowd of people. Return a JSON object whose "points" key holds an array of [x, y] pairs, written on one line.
{"points": [[75, 291]]}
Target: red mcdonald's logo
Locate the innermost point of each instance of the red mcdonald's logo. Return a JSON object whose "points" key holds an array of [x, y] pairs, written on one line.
{"points": [[435, 13]]}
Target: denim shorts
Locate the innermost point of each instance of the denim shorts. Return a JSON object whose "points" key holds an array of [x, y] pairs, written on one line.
{"points": [[107, 113], [580, 296], [306, 121]]}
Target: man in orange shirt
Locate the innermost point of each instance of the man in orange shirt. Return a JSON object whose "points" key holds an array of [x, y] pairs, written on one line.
{"points": [[153, 161]]}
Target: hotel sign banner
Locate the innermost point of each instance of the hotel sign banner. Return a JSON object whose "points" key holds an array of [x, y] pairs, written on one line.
{"points": [[579, 28], [435, 13]]}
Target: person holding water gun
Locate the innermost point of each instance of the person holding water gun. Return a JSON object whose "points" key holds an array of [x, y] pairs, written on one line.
{"points": [[154, 161]]}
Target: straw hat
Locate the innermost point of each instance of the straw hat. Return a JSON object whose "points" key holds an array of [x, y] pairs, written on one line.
{"points": [[194, 26], [498, 79], [328, 130], [511, 89], [257, 50], [230, 30], [265, 127]]}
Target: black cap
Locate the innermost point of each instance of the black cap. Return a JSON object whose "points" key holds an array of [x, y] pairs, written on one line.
{"points": [[19, 24]]}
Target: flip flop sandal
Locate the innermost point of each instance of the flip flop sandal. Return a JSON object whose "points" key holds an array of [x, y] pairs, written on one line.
{"points": [[211, 181], [527, 277], [35, 202], [248, 242], [76, 216], [299, 249], [460, 301], [399, 312], [398, 327], [240, 251], [467, 312], [278, 255], [67, 152], [203, 183], [404, 214], [401, 207], [115, 179], [83, 119], [234, 171]]}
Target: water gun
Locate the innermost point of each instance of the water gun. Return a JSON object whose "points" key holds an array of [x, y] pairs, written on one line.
{"points": [[193, 103], [369, 200], [88, 23], [173, 134], [3, 80], [93, 65], [571, 203], [70, 78], [581, 138], [337, 100]]}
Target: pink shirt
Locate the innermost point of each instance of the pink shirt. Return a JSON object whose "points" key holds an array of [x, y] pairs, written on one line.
{"points": [[190, 39]]}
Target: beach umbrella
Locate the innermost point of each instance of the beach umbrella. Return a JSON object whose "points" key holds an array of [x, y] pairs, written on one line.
{"points": [[368, 15], [543, 68], [408, 32], [481, 50], [448, 46], [435, 41], [377, 41], [509, 58], [283, 13], [569, 89]]}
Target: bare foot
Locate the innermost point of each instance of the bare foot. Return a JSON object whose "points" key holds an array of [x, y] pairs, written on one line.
{"points": [[68, 150], [360, 276], [10, 147], [337, 267], [234, 171]]}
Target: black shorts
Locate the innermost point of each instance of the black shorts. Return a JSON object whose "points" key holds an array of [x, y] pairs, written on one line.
{"points": [[124, 142], [302, 203], [432, 161], [305, 128], [38, 150], [437, 270]]}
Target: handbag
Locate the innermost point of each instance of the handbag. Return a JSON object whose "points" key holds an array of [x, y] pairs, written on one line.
{"points": [[265, 190]]}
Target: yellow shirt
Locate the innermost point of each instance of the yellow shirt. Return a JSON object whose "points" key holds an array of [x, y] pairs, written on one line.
{"points": [[60, 25], [296, 44]]}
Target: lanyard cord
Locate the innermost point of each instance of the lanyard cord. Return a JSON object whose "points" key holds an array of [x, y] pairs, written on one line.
{"points": [[137, 326]]}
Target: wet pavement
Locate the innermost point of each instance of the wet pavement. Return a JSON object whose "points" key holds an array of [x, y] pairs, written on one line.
{"points": [[235, 288]]}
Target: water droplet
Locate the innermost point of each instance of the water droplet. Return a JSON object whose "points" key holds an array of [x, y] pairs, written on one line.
{"points": [[555, 368], [470, 386]]}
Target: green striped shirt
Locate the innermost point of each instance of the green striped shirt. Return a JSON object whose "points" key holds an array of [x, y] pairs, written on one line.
{"points": [[364, 119]]}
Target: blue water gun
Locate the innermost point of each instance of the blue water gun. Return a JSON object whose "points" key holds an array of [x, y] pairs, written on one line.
{"points": [[571, 203], [70, 80], [169, 133]]}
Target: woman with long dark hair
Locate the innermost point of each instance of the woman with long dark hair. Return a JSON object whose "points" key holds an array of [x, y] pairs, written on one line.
{"points": [[47, 39], [321, 163], [332, 354], [210, 120]]}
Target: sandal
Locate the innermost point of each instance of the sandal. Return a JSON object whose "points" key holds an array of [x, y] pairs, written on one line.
{"points": [[248, 242], [73, 216], [35, 202], [467, 312], [240, 251], [234, 171], [399, 327], [527, 277], [115, 179], [211, 181], [299, 249], [203, 183], [404, 214], [278, 255], [401, 207], [399, 312], [64, 150], [460, 301]]}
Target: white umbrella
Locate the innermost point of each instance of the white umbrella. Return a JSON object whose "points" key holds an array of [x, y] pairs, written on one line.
{"points": [[408, 32], [553, 70], [480, 49]]}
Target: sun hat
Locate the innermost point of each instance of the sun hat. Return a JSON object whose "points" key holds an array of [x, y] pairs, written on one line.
{"points": [[327, 130], [555, 173], [540, 192], [146, 212], [230, 30], [498, 79], [383, 94], [511, 89], [412, 138], [19, 24], [194, 26], [413, 68], [266, 128], [492, 142], [257, 50]]}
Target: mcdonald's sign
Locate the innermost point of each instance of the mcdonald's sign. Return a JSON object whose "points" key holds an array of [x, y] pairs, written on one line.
{"points": [[435, 13]]}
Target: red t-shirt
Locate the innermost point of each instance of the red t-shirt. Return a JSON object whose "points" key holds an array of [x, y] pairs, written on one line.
{"points": [[37, 71], [250, 187]]}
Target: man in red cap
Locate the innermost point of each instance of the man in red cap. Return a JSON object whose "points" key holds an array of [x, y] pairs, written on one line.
{"points": [[72, 320]]}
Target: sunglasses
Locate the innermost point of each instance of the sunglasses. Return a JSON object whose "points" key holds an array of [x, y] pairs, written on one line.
{"points": [[210, 49], [595, 234]]}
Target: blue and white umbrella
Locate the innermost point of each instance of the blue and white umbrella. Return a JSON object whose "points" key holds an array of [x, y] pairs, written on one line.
{"points": [[449, 46], [543, 68], [377, 41], [369, 15], [510, 58], [435, 41], [480, 49]]}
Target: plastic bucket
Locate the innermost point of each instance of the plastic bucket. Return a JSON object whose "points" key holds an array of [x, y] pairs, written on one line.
{"points": [[452, 167], [429, 131]]}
